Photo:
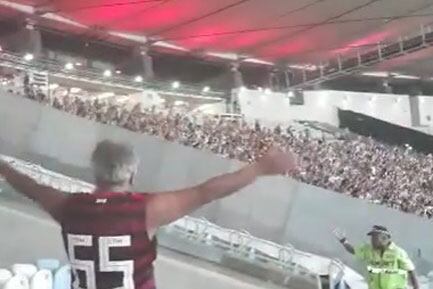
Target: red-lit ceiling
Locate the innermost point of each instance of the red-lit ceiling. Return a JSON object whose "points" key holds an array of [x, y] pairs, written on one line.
{"points": [[299, 31]]}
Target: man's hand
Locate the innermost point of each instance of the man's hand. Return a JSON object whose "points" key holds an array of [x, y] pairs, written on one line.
{"points": [[277, 162], [341, 237]]}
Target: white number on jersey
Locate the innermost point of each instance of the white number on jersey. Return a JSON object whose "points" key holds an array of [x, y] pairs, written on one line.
{"points": [[105, 264]]}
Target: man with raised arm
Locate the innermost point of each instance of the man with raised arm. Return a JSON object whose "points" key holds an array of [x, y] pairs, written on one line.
{"points": [[109, 234], [388, 265]]}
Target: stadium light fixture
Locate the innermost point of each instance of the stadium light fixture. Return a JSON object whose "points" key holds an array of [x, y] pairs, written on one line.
{"points": [[75, 90], [107, 73], [118, 71], [404, 76], [69, 66], [206, 89], [122, 99], [376, 74], [29, 57], [175, 84], [78, 64], [53, 86], [105, 95], [138, 78]]}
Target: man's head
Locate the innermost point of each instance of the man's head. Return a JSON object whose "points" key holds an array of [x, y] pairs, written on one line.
{"points": [[380, 237], [114, 164]]}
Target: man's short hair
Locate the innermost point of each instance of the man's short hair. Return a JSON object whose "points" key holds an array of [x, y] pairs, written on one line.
{"points": [[114, 163]]}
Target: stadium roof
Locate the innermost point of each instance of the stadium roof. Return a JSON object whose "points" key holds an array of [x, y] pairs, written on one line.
{"points": [[295, 32]]}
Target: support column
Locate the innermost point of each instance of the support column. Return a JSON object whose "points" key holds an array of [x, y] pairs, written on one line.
{"points": [[34, 38], [274, 82], [238, 80], [141, 54], [288, 78], [414, 110], [147, 62]]}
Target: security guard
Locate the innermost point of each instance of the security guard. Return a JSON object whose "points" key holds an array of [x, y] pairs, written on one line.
{"points": [[388, 265]]}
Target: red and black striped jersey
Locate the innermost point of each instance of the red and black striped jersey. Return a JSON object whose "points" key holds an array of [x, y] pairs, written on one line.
{"points": [[106, 239]]}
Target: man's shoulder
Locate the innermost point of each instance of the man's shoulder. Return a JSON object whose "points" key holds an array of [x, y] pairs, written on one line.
{"points": [[398, 250], [362, 251]]}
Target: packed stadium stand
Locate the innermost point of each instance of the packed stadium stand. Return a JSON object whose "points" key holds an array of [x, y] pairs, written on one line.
{"points": [[325, 161]]}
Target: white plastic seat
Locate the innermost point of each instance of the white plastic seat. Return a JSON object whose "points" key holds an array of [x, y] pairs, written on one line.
{"points": [[5, 275], [43, 279], [62, 278], [17, 282], [49, 264], [27, 270]]}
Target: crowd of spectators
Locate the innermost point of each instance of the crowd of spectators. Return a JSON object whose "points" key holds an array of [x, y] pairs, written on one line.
{"points": [[357, 166]]}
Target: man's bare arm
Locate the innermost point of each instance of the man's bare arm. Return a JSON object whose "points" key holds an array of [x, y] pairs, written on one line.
{"points": [[164, 208], [341, 237], [413, 279], [50, 199], [349, 247]]}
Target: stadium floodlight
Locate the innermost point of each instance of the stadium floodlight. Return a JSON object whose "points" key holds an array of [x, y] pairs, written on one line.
{"points": [[53, 86], [138, 78], [376, 74], [118, 71], [29, 57], [78, 64], [404, 76], [105, 95], [107, 73], [75, 89], [175, 84], [69, 66], [206, 89]]}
